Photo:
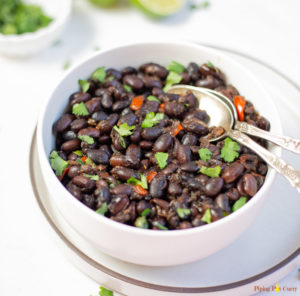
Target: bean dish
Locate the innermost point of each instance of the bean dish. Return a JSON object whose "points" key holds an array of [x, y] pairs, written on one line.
{"points": [[131, 151]]}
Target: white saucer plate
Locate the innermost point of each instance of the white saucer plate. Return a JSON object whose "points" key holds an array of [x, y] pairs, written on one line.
{"points": [[265, 253]]}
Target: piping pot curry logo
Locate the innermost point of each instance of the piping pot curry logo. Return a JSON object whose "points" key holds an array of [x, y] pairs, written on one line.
{"points": [[275, 288]]}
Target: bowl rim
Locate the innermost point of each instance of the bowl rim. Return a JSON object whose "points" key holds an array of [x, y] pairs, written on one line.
{"points": [[53, 26], [43, 157]]}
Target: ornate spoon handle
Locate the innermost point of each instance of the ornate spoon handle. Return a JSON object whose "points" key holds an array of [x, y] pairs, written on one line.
{"points": [[271, 159], [285, 142]]}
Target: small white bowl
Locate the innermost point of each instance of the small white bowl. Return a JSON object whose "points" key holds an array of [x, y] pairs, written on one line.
{"points": [[140, 246], [28, 44]]}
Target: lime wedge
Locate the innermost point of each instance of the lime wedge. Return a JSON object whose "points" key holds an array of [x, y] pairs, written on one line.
{"points": [[158, 8], [104, 3]]}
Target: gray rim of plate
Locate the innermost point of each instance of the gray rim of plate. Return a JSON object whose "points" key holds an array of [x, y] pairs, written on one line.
{"points": [[133, 281]]}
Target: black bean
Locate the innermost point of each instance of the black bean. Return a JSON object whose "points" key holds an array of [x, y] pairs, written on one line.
{"points": [[189, 100], [123, 173], [209, 82], [69, 135], [107, 124], [195, 125], [74, 190], [99, 115], [183, 154], [262, 169], [152, 81], [73, 171], [249, 161], [83, 182], [151, 133], [78, 124], [118, 203], [173, 109], [200, 114], [120, 105], [149, 106], [190, 167], [113, 72], [232, 172], [102, 195], [134, 152], [222, 202], [63, 123], [106, 100], [88, 200], [249, 184], [93, 105], [90, 131], [133, 81], [156, 91], [189, 139], [185, 225], [142, 205], [193, 71], [70, 145], [157, 186], [163, 143], [174, 189], [129, 70], [79, 97], [154, 69], [146, 145], [130, 118], [263, 123], [162, 203], [170, 169], [121, 189], [98, 156], [213, 186], [120, 160]]}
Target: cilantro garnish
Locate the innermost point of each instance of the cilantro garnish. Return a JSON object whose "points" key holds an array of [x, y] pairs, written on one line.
{"points": [[111, 78], [141, 222], [67, 65], [84, 85], [153, 98], [202, 5], [158, 225], [127, 88], [143, 182], [92, 177], [229, 151], [57, 163], [172, 78], [239, 203], [90, 162], [205, 154], [145, 212], [99, 74], [176, 67], [78, 152], [207, 216], [103, 209], [211, 172], [182, 213], [86, 139], [80, 109], [152, 119], [124, 129], [161, 158]]}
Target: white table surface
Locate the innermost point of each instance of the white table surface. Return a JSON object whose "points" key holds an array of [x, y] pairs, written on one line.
{"points": [[30, 262]]}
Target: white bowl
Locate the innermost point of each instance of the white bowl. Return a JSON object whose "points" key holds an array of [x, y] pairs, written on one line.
{"points": [[28, 44], [150, 247]]}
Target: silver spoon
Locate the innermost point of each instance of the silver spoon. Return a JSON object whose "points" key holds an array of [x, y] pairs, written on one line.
{"points": [[224, 115]]}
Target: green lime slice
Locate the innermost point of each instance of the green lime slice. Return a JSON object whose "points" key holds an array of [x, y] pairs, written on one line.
{"points": [[158, 8], [104, 3]]}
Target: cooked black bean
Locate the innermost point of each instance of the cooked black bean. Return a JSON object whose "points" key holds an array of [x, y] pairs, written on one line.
{"points": [[70, 145], [195, 125], [177, 195], [163, 143], [98, 156], [213, 186], [232, 172], [63, 122]]}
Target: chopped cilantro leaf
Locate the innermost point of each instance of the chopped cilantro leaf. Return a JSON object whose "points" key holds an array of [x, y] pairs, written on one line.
{"points": [[172, 78], [211, 172], [210, 64], [141, 222], [57, 163], [145, 212], [124, 129], [111, 78], [207, 216], [127, 88], [205, 154], [176, 67], [92, 177], [143, 182], [103, 209], [99, 74], [229, 151], [158, 225], [67, 65], [86, 139], [161, 158], [105, 292], [239, 203], [80, 109], [78, 152], [182, 213], [84, 84], [153, 98], [90, 162], [152, 119]]}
